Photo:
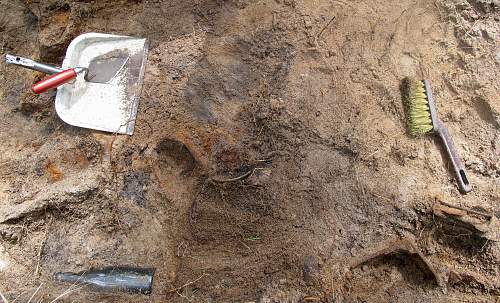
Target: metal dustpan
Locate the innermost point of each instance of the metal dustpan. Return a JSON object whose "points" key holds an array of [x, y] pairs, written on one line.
{"points": [[109, 105]]}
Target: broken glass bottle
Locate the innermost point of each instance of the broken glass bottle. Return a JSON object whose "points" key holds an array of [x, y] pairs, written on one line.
{"points": [[117, 278]]}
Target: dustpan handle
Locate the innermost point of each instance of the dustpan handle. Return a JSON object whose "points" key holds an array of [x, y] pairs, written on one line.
{"points": [[56, 80]]}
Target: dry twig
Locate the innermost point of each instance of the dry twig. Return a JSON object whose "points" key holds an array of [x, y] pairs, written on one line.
{"points": [[3, 297], [188, 283], [42, 244], [33, 295], [18, 296], [471, 211], [67, 292], [245, 175], [323, 29]]}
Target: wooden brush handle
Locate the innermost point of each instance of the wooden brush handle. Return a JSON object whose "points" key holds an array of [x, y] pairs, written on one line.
{"points": [[463, 182], [54, 81]]}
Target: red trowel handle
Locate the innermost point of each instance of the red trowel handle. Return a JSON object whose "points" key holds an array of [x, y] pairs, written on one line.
{"points": [[56, 80]]}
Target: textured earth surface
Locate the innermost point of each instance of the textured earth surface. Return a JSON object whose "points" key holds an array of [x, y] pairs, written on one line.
{"points": [[270, 160]]}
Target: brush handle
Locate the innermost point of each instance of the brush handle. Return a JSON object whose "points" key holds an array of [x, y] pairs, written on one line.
{"points": [[463, 182]]}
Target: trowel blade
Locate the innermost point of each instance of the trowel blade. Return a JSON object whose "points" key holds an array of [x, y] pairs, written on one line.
{"points": [[105, 67]]}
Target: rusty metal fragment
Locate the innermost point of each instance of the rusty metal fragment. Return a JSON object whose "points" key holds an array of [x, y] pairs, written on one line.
{"points": [[404, 245], [483, 224]]}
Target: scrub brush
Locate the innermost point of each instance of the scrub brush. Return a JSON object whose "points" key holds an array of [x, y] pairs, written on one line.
{"points": [[423, 119]]}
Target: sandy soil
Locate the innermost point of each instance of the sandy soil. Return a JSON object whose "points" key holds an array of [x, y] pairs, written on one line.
{"points": [[270, 160]]}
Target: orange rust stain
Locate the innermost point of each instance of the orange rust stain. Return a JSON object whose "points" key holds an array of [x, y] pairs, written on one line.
{"points": [[105, 142], [81, 159], [198, 154], [74, 157], [203, 142], [53, 172], [61, 18]]}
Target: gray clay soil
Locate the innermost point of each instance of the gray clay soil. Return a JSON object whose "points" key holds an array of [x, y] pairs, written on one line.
{"points": [[270, 160]]}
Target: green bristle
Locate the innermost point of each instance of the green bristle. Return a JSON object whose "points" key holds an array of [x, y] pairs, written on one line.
{"points": [[418, 111]]}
